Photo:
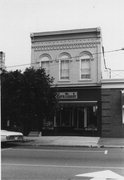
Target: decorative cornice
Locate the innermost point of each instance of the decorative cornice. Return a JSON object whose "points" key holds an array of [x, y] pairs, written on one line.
{"points": [[96, 30], [112, 83], [65, 46]]}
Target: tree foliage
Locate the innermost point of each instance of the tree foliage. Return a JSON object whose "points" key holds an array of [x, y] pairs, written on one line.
{"points": [[27, 98]]}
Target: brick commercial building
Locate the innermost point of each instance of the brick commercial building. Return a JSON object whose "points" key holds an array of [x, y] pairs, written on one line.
{"points": [[73, 58], [112, 96]]}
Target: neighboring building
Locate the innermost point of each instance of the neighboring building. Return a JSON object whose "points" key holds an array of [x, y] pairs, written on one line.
{"points": [[112, 97], [73, 58], [2, 60]]}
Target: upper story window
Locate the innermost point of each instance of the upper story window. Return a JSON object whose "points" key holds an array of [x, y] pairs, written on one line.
{"points": [[85, 66], [45, 62], [64, 66]]}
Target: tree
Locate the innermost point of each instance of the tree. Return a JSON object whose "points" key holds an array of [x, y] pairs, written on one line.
{"points": [[27, 98]]}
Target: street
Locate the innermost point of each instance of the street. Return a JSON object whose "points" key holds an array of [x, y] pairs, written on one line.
{"points": [[24, 163]]}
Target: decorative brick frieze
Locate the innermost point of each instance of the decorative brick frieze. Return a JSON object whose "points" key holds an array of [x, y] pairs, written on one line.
{"points": [[65, 46]]}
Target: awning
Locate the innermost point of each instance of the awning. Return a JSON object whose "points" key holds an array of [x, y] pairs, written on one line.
{"points": [[77, 103]]}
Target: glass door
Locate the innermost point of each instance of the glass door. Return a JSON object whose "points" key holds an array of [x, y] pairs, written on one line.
{"points": [[85, 118], [80, 118]]}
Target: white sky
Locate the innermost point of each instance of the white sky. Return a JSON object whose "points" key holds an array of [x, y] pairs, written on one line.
{"points": [[19, 18]]}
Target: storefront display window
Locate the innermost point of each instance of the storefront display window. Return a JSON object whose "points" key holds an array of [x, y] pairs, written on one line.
{"points": [[78, 117]]}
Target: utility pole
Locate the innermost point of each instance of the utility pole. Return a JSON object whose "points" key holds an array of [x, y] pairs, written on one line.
{"points": [[2, 66]]}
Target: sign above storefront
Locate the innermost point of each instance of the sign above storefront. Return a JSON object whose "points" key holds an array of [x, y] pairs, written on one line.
{"points": [[67, 95]]}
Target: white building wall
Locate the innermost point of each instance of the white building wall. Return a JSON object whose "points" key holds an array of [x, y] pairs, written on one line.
{"points": [[74, 44]]}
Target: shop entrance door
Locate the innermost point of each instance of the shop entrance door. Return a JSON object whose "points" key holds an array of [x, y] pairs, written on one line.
{"points": [[81, 118], [86, 118]]}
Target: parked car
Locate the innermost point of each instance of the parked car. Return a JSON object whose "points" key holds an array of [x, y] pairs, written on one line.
{"points": [[11, 136]]}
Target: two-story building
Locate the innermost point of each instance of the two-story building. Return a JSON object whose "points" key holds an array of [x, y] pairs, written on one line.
{"points": [[73, 58]]}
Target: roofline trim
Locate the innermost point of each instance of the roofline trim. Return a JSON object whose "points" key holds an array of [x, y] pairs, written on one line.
{"points": [[73, 31]]}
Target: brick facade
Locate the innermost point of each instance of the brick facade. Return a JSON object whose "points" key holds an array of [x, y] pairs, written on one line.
{"points": [[112, 125], [78, 113], [71, 42]]}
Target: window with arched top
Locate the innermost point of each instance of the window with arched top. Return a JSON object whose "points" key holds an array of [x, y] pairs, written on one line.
{"points": [[45, 62], [85, 66], [64, 66]]}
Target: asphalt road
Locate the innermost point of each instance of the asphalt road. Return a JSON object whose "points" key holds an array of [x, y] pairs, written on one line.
{"points": [[60, 163]]}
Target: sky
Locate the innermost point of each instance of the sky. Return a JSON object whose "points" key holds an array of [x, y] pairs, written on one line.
{"points": [[20, 18]]}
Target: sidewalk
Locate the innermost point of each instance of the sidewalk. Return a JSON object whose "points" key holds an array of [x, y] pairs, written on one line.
{"points": [[75, 141], [111, 142]]}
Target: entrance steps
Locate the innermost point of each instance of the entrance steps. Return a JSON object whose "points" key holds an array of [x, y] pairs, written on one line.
{"points": [[34, 134]]}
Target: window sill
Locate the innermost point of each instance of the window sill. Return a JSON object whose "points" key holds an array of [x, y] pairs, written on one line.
{"points": [[63, 80], [85, 80]]}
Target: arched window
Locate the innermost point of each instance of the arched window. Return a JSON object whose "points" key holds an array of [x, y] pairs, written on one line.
{"points": [[45, 62], [64, 66], [85, 66]]}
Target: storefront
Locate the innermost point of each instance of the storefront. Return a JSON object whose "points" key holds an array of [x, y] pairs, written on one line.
{"points": [[78, 113], [70, 57]]}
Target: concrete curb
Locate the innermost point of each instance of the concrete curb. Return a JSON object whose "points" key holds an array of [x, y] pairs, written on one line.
{"points": [[111, 146], [34, 142]]}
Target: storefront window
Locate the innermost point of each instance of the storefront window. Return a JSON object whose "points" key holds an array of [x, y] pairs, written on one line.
{"points": [[78, 117], [123, 115]]}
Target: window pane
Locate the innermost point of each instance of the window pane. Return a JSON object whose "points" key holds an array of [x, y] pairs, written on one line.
{"points": [[85, 68], [45, 65], [64, 69], [64, 65], [45, 62], [122, 115]]}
